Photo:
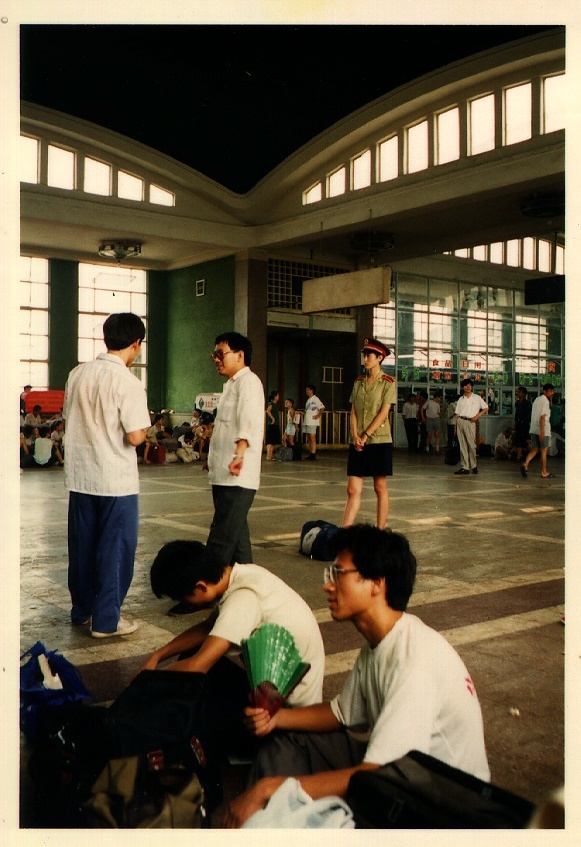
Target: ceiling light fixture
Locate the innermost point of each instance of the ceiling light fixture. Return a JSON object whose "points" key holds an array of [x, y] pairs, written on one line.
{"points": [[120, 250]]}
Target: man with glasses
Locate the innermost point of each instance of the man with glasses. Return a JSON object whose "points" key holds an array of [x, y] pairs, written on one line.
{"points": [[408, 688], [234, 455], [235, 449]]}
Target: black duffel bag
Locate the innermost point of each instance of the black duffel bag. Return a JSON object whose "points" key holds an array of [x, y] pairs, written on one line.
{"points": [[420, 792], [162, 715]]}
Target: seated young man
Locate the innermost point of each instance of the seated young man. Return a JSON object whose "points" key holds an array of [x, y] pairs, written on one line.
{"points": [[408, 687], [246, 596]]}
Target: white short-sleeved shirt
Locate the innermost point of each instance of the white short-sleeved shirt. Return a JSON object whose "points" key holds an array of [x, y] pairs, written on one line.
{"points": [[103, 401], [541, 406], [410, 411], [432, 409], [240, 416], [413, 692], [502, 441], [256, 596], [42, 450], [467, 407], [312, 407]]}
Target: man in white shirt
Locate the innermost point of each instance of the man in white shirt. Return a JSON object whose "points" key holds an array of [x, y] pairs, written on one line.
{"points": [[312, 420], [431, 418], [469, 408], [241, 598], [107, 416], [540, 431], [235, 451], [409, 414], [503, 448], [408, 687]]}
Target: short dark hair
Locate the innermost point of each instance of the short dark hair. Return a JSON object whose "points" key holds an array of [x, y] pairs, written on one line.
{"points": [[272, 395], [380, 553], [121, 329], [43, 431], [291, 400], [237, 342], [522, 388], [548, 386], [179, 565], [158, 418], [34, 408], [312, 387], [466, 382], [27, 430], [437, 394]]}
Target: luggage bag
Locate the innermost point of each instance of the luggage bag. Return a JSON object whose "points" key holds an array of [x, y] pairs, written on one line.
{"points": [[421, 792]]}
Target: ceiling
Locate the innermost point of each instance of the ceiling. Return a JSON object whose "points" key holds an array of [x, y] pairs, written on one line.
{"points": [[233, 101]]}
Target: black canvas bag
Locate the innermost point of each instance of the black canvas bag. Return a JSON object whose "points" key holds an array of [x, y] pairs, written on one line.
{"points": [[452, 455], [420, 792]]}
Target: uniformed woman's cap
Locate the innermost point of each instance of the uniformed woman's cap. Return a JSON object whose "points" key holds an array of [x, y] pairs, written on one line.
{"points": [[372, 345]]}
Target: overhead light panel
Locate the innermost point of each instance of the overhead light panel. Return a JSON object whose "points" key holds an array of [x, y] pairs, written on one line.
{"points": [[120, 250]]}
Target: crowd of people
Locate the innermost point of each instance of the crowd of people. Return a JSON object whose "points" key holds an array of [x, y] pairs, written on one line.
{"points": [[408, 687]]}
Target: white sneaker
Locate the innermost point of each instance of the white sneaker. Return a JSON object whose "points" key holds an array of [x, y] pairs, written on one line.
{"points": [[427, 449], [123, 628]]}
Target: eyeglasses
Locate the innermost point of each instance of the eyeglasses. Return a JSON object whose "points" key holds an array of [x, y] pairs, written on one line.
{"points": [[331, 573], [218, 355]]}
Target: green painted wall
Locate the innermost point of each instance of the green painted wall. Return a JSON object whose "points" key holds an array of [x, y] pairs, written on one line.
{"points": [[63, 323], [179, 365]]}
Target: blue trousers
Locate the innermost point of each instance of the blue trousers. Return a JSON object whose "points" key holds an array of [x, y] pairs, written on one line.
{"points": [[102, 538]]}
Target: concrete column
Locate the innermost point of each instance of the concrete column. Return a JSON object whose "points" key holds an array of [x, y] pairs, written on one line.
{"points": [[250, 307]]}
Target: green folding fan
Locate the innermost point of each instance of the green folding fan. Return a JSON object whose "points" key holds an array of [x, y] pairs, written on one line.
{"points": [[273, 665]]}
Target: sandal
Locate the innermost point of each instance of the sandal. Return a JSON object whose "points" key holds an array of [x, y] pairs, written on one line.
{"points": [[523, 472], [548, 476]]}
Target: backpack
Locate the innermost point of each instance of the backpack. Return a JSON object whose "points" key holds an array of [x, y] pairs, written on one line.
{"points": [[315, 537], [452, 455], [283, 454], [421, 792]]}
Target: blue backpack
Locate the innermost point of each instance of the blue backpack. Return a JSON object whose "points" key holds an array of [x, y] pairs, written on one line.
{"points": [[315, 537]]}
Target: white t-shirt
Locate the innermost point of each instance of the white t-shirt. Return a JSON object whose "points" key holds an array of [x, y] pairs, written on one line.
{"points": [[467, 407], [240, 416], [502, 441], [414, 693], [410, 411], [312, 407], [42, 450], [431, 409], [103, 401], [541, 406], [256, 596]]}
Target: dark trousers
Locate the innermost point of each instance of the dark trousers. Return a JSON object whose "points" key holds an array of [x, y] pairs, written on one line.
{"points": [[411, 431], [299, 753], [229, 536], [102, 538]]}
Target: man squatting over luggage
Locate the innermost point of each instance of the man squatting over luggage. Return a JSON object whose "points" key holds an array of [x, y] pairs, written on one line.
{"points": [[409, 687]]}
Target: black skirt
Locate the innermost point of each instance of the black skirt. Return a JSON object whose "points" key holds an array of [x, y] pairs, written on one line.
{"points": [[373, 460], [273, 434]]}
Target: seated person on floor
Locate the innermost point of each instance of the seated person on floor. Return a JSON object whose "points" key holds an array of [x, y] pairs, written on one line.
{"points": [[45, 452], [408, 687], [156, 433], [245, 597], [185, 451], [503, 448], [34, 418]]}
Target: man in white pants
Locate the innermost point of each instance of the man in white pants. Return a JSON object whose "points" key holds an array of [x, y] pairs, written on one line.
{"points": [[469, 408]]}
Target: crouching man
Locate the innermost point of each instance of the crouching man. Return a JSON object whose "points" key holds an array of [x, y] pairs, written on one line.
{"points": [[241, 598], [408, 687]]}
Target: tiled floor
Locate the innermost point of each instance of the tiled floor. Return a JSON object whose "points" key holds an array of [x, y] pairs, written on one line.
{"points": [[490, 550]]}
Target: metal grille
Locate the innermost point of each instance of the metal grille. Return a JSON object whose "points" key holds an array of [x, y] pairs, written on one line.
{"points": [[285, 283]]}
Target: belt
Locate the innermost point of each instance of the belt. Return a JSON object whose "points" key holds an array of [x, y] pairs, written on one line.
{"points": [[464, 418]]}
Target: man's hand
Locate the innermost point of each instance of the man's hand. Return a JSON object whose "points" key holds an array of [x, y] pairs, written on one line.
{"points": [[258, 721], [251, 801], [149, 664], [235, 465]]}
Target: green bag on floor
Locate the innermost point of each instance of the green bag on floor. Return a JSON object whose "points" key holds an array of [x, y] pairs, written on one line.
{"points": [[138, 792]]}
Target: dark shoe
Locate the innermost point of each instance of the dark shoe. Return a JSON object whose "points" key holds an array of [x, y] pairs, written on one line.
{"points": [[181, 609], [474, 470], [524, 471], [310, 458], [461, 472]]}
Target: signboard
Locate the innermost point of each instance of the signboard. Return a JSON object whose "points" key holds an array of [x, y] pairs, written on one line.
{"points": [[344, 291], [208, 402]]}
